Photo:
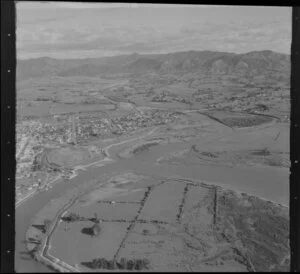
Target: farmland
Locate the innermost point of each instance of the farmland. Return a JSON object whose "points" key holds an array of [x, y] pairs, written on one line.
{"points": [[154, 170], [197, 228]]}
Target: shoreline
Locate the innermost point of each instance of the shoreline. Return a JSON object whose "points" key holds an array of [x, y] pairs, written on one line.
{"points": [[46, 258], [106, 159]]}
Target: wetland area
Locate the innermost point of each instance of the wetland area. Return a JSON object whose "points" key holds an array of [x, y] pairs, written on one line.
{"points": [[186, 178], [144, 161]]}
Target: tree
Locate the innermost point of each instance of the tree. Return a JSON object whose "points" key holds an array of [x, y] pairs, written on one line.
{"points": [[96, 229], [111, 264], [262, 107], [47, 225], [138, 264], [94, 263], [99, 263], [122, 264], [96, 218], [145, 263], [104, 263], [130, 264], [74, 217], [145, 232]]}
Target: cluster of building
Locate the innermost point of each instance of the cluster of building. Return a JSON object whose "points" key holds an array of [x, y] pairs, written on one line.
{"points": [[93, 127], [166, 96], [138, 119], [58, 133], [202, 97], [256, 101], [33, 136], [123, 125], [77, 129], [26, 142], [27, 147]]}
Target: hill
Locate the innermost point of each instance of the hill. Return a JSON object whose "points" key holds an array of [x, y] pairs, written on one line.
{"points": [[256, 63]]}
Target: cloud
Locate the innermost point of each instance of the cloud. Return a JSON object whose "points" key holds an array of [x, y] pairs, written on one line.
{"points": [[70, 5], [71, 30]]}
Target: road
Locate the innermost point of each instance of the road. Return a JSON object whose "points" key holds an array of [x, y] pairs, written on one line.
{"points": [[29, 139], [102, 162], [64, 267], [21, 201], [44, 253], [106, 150], [107, 159]]}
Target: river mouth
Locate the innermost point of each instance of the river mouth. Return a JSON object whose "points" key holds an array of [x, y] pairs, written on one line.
{"points": [[224, 176], [268, 182], [154, 199]]}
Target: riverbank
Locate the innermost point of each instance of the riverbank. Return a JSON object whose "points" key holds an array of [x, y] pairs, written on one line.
{"points": [[219, 209], [252, 180]]}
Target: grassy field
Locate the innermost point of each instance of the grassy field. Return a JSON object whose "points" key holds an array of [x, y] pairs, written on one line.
{"points": [[74, 245], [48, 96], [177, 225], [108, 211], [67, 157], [163, 202]]}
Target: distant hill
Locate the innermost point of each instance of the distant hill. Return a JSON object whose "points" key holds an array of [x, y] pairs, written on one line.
{"points": [[254, 63]]}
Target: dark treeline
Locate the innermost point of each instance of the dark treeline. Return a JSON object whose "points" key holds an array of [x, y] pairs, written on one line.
{"points": [[132, 264]]}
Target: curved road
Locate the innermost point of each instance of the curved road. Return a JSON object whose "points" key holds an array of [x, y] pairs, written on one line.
{"points": [[46, 243], [44, 253]]}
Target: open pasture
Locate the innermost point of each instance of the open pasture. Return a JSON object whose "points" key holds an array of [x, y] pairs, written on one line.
{"points": [[179, 89], [72, 244], [99, 194], [163, 202], [108, 211], [67, 156], [194, 195], [239, 120], [57, 95], [147, 241]]}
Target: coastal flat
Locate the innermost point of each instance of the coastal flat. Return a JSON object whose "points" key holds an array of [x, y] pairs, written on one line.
{"points": [[184, 166], [198, 227]]}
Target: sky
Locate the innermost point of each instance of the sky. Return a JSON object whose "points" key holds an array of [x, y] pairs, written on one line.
{"points": [[66, 30]]}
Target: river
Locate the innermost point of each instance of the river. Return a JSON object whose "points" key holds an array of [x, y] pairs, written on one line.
{"points": [[269, 183]]}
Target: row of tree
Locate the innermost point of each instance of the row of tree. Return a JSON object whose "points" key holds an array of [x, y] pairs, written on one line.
{"points": [[123, 264], [72, 217], [180, 211]]}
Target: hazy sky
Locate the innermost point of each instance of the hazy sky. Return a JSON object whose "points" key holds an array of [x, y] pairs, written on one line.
{"points": [[81, 30]]}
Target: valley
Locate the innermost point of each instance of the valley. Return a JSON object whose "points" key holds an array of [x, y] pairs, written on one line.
{"points": [[175, 162]]}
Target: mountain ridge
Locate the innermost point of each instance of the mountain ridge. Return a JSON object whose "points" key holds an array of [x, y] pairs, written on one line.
{"points": [[250, 63]]}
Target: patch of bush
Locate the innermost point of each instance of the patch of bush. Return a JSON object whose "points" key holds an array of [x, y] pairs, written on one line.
{"points": [[72, 217], [209, 154], [262, 152], [47, 225], [123, 264]]}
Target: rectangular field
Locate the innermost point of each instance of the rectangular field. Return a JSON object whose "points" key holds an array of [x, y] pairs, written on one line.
{"points": [[161, 248], [163, 202], [108, 211], [194, 196], [132, 196], [72, 245], [143, 240]]}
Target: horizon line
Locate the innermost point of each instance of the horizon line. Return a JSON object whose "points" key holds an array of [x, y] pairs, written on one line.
{"points": [[135, 53]]}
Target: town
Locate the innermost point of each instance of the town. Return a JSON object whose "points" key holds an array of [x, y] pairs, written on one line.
{"points": [[34, 137]]}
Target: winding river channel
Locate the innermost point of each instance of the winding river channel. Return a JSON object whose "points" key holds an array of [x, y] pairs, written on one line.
{"points": [[269, 183]]}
